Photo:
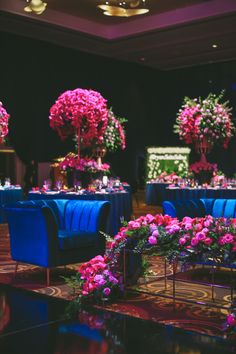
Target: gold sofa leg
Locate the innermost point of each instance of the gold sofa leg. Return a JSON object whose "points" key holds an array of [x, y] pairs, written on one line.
{"points": [[48, 276]]}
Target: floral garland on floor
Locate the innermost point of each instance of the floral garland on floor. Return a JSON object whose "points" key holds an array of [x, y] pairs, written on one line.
{"points": [[102, 277], [4, 117], [205, 239], [230, 326]]}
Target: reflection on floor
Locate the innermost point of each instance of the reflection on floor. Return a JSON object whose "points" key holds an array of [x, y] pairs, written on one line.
{"points": [[34, 324]]}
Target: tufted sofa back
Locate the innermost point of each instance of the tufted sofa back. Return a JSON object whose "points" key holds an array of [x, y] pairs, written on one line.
{"points": [[200, 207], [83, 215]]}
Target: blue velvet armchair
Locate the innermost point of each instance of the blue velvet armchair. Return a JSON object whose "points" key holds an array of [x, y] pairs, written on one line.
{"points": [[200, 207], [51, 233]]}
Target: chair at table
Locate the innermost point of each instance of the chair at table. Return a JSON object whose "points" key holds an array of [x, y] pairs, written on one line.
{"points": [[51, 233]]}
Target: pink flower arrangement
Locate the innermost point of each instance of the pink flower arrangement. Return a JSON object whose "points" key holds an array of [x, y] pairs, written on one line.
{"points": [[205, 238], [4, 117], [144, 232], [96, 280], [199, 166], [83, 164], [205, 118], [190, 240], [230, 325], [114, 137], [83, 110]]}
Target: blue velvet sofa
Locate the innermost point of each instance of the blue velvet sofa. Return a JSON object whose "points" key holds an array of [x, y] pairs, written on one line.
{"points": [[200, 207], [50, 233]]}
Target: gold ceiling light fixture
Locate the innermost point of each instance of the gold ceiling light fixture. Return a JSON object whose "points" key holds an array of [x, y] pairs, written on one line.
{"points": [[35, 6], [123, 8]]}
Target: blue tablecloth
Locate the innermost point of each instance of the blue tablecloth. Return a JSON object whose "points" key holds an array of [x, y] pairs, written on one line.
{"points": [[120, 205], [9, 196], [154, 193], [188, 193]]}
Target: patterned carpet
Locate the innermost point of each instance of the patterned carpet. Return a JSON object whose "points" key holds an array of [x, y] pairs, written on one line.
{"points": [[190, 316]]}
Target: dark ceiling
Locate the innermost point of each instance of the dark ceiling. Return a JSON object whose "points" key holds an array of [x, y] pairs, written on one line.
{"points": [[174, 34]]}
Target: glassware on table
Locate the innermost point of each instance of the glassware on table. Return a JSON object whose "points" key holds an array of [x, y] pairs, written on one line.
{"points": [[77, 186], [105, 180], [59, 184], [47, 184], [7, 182]]}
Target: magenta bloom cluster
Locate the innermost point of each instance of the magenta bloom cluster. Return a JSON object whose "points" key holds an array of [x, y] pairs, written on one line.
{"points": [[215, 237], [199, 166], [81, 109], [189, 240], [205, 118], [82, 164], [114, 137], [4, 117], [96, 278]]}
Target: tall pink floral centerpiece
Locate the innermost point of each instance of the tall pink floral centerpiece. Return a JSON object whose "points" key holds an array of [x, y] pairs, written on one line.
{"points": [[114, 137], [205, 122], [82, 112], [4, 117]]}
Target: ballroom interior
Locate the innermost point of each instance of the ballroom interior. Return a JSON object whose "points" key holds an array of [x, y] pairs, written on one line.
{"points": [[121, 240]]}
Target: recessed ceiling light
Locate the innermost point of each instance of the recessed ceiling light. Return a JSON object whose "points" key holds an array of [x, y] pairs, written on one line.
{"points": [[142, 59], [214, 45]]}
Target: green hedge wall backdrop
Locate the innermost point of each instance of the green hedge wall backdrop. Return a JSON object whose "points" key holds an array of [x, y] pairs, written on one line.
{"points": [[168, 159]]}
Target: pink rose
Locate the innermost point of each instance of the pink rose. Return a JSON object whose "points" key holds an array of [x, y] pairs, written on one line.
{"points": [[150, 218], [194, 241], [152, 240], [133, 225], [200, 236], [234, 246], [188, 226], [231, 321], [155, 233], [207, 241], [187, 219], [182, 241], [198, 227], [228, 238], [106, 291]]}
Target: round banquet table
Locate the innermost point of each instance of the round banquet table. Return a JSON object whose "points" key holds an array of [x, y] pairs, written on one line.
{"points": [[154, 193], [9, 196], [121, 206], [196, 193]]}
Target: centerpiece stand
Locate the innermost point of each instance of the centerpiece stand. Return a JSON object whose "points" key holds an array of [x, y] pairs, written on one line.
{"points": [[203, 147]]}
